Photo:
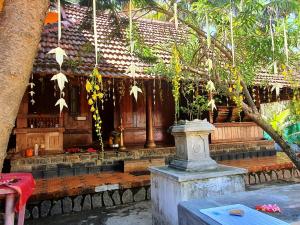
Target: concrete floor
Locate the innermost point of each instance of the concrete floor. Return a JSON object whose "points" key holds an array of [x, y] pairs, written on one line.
{"points": [[134, 214]]}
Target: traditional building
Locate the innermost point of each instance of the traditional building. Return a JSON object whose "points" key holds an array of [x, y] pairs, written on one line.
{"points": [[144, 122]]}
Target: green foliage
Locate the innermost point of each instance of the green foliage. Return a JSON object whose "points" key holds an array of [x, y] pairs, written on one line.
{"points": [[195, 108], [141, 50], [175, 63], [279, 121], [73, 63]]}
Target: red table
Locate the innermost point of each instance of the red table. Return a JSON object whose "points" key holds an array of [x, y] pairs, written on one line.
{"points": [[16, 186]]}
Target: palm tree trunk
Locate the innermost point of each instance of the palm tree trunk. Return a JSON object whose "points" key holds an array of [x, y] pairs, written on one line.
{"points": [[21, 23]]}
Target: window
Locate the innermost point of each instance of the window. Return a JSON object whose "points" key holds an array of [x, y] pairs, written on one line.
{"points": [[74, 102]]}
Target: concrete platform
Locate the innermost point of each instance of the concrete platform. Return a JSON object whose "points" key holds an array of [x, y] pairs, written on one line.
{"points": [[286, 197], [170, 186]]}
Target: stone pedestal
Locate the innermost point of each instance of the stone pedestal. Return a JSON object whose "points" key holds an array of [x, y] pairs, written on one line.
{"points": [[192, 147], [169, 187], [191, 175]]}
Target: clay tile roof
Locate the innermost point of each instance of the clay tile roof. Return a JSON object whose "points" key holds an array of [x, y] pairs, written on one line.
{"points": [[114, 55], [113, 51]]}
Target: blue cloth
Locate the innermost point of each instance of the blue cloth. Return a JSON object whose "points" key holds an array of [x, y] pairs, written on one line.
{"points": [[251, 216]]}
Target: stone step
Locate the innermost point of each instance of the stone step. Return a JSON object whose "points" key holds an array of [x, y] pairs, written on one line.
{"points": [[134, 165], [63, 170], [234, 155]]}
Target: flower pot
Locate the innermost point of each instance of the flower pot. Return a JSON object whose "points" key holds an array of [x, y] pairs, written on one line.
{"points": [[29, 152], [223, 114]]}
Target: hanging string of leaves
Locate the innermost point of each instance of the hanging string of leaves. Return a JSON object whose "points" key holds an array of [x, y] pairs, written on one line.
{"points": [[176, 80], [31, 92], [59, 53], [94, 87], [236, 89], [210, 86], [132, 69], [95, 95]]}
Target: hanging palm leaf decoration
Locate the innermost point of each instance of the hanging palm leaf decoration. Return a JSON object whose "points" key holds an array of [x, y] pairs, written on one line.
{"points": [[273, 46], [94, 87], [231, 34], [60, 54], [132, 69], [210, 86], [286, 47], [31, 92]]}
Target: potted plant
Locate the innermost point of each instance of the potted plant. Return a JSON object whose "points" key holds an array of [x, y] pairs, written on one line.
{"points": [[223, 114]]}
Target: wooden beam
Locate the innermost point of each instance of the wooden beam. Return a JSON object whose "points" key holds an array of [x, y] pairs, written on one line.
{"points": [[149, 116]]}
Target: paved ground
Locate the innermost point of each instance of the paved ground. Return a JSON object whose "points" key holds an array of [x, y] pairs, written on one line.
{"points": [[135, 214]]}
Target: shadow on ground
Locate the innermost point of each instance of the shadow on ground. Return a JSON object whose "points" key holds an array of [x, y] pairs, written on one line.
{"points": [[134, 214]]}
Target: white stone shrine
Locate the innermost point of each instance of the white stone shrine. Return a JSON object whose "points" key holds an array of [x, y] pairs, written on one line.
{"points": [[193, 174]]}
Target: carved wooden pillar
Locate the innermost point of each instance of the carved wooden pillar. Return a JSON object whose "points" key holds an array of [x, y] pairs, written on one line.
{"points": [[149, 116]]}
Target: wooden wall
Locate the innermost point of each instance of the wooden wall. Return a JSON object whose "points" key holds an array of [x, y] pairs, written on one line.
{"points": [[236, 132], [78, 128], [134, 116]]}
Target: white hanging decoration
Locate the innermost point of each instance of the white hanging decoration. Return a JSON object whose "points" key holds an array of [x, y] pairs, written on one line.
{"points": [[212, 104], [132, 69], [231, 34], [61, 80], [31, 92], [275, 68], [154, 91], [134, 91], [95, 33], [207, 31], [277, 87], [175, 16], [113, 92], [62, 103], [31, 84], [286, 47], [210, 86], [59, 57], [209, 64]]}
